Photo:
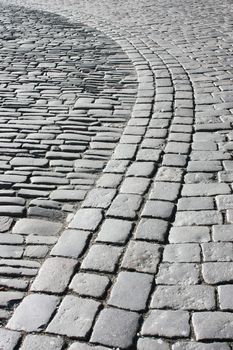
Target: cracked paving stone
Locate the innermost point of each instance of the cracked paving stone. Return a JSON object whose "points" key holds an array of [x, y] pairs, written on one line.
{"points": [[8, 339], [74, 317], [41, 342], [195, 297], [115, 328], [33, 313], [131, 291], [88, 284], [102, 257], [71, 244], [213, 325], [142, 257], [54, 275], [167, 323], [87, 219], [115, 231], [152, 344], [36, 227]]}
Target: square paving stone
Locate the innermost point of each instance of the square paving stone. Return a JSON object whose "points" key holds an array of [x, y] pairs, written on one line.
{"points": [[135, 185], [33, 313], [87, 219], [89, 284], [8, 339], [225, 293], [115, 328], [125, 206], [102, 257], [152, 230], [178, 273], [189, 234], [167, 323], [41, 342], [213, 325], [131, 290], [142, 256], [144, 169], [169, 174], [165, 191], [158, 209], [84, 346], [223, 233], [99, 198], [152, 344], [74, 317], [71, 243], [200, 346], [54, 275], [188, 252], [115, 231], [221, 251], [195, 297], [37, 227]]}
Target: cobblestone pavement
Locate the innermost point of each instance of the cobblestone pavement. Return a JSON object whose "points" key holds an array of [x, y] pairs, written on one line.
{"points": [[124, 175]]}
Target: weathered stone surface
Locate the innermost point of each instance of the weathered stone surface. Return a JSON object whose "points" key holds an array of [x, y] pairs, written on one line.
{"points": [[225, 297], [36, 227], [87, 219], [71, 244], [152, 230], [199, 346], [41, 342], [151, 344], [114, 231], [8, 339], [89, 284]]}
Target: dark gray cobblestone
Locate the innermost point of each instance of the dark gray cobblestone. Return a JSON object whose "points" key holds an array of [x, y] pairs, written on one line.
{"points": [[148, 254]]}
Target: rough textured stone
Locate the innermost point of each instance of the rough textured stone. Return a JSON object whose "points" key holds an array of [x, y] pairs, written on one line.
{"points": [[89, 284], [225, 297], [87, 219], [36, 227], [115, 231], [71, 243], [200, 346], [152, 344], [41, 342], [8, 339], [152, 230]]}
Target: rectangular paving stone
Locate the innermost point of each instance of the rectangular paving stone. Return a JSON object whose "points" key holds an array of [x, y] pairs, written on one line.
{"points": [[204, 166], [125, 206], [225, 297], [8, 339], [165, 191], [158, 209], [223, 233], [135, 185], [11, 251], [152, 344], [102, 257], [74, 317], [169, 174], [192, 345], [115, 328], [217, 272], [189, 234], [41, 342], [131, 290], [84, 346], [152, 230], [9, 298], [37, 227], [125, 151], [196, 218], [167, 323], [188, 252], [71, 243], [88, 284], [178, 273], [142, 256], [211, 189], [33, 313], [115, 231], [217, 251], [195, 297], [99, 198], [54, 275], [224, 202], [195, 203], [213, 325], [87, 219]]}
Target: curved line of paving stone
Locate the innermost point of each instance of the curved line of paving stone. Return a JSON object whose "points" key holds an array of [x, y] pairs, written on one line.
{"points": [[181, 291]]}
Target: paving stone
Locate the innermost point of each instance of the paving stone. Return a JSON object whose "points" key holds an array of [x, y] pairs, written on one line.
{"points": [[115, 231], [158, 209], [11, 251], [217, 272], [189, 234], [165, 191], [115, 328], [125, 206], [36, 227], [141, 169], [102, 257], [167, 323], [212, 325], [195, 203], [151, 344], [134, 185], [8, 339], [54, 275], [196, 218], [71, 244], [99, 198], [204, 166], [124, 151], [131, 291], [74, 317], [217, 251], [191, 190], [34, 251], [152, 230], [178, 273], [199, 346], [109, 181], [33, 313], [89, 284], [169, 174], [188, 252], [142, 256], [87, 219], [28, 161], [5, 223], [8, 299], [83, 346], [222, 233], [67, 195], [195, 297], [225, 297], [41, 342]]}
